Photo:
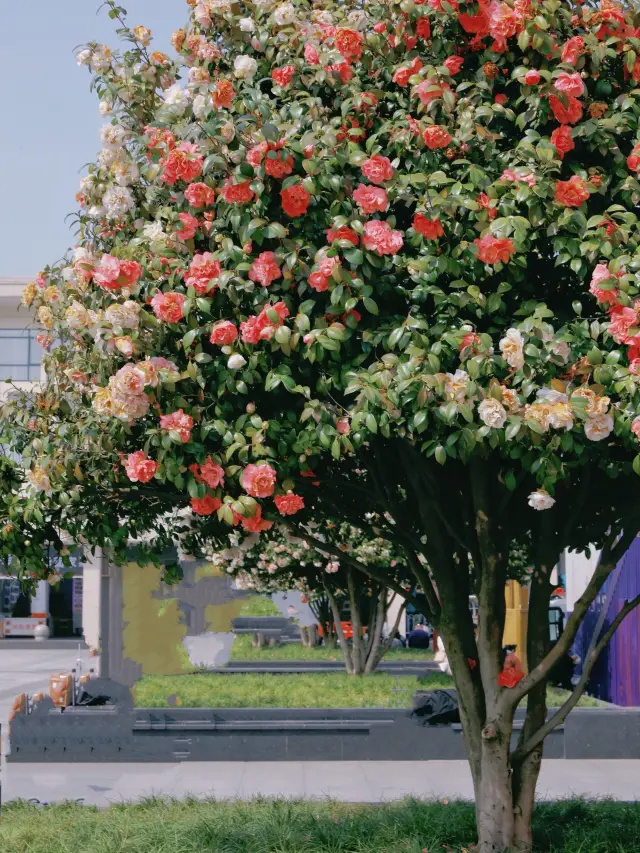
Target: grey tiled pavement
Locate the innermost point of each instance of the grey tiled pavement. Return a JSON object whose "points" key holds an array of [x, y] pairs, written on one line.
{"points": [[347, 781]]}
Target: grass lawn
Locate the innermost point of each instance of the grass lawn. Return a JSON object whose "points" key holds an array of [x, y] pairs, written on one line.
{"points": [[243, 650], [265, 826], [321, 690]]}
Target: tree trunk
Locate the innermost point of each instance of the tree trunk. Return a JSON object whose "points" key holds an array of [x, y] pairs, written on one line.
{"points": [[347, 655], [494, 796], [357, 650]]}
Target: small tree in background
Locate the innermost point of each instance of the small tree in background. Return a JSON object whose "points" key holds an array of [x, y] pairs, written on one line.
{"points": [[283, 562], [359, 258]]}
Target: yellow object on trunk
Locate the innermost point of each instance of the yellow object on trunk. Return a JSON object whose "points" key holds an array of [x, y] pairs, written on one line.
{"points": [[515, 626]]}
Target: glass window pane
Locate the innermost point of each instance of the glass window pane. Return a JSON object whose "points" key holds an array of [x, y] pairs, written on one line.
{"points": [[20, 354]]}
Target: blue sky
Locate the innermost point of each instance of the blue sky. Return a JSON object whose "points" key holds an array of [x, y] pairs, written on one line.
{"points": [[50, 121]]}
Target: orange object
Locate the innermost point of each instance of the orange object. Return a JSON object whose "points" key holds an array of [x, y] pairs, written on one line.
{"points": [[19, 706], [60, 687], [347, 629]]}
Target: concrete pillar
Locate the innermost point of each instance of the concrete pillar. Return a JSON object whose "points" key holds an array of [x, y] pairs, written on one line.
{"points": [[91, 594], [392, 615], [578, 569]]}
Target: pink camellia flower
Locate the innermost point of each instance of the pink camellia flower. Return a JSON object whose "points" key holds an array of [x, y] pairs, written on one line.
{"points": [[240, 193], [532, 78], [436, 136], [569, 84], [283, 76], [430, 90], [454, 64], [203, 269], [259, 481], [114, 274], [380, 238], [371, 199], [318, 281], [635, 428], [622, 320], [209, 472], [178, 422], [500, 99], [491, 250], [503, 21], [199, 195], [264, 269], [343, 427], [256, 155], [403, 74], [572, 49], [139, 468], [601, 273], [184, 163], [189, 226], [289, 504], [378, 169], [168, 306], [223, 333], [311, 55], [206, 505]]}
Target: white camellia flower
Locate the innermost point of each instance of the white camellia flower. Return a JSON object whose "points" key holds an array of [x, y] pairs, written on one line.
{"points": [[101, 58], [541, 499], [113, 136], [153, 232], [492, 413], [117, 201], [236, 361], [244, 67], [511, 347], [83, 57], [201, 15], [177, 99], [104, 108], [599, 427], [247, 25], [201, 106], [284, 14]]}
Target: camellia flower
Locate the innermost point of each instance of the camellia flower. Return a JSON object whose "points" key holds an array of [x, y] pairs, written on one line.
{"points": [[168, 306], [562, 140], [436, 136], [602, 273], [255, 523], [343, 233], [206, 505], [139, 468], [403, 74], [258, 480], [492, 413], [541, 499], [349, 44], [492, 250], [244, 67], [264, 269], [199, 195], [295, 200], [289, 504], [240, 193], [599, 427], [223, 94], [572, 49], [431, 229], [183, 164], [569, 84], [209, 473], [454, 64], [571, 114], [178, 422], [532, 78], [311, 55], [223, 333], [202, 272], [378, 169], [371, 199], [283, 76], [380, 238], [39, 479], [512, 348], [571, 193]]}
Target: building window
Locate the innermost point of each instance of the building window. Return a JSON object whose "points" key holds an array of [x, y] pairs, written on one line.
{"points": [[20, 355]]}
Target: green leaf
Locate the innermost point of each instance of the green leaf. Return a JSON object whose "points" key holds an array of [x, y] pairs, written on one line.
{"points": [[370, 305], [440, 454], [371, 423]]}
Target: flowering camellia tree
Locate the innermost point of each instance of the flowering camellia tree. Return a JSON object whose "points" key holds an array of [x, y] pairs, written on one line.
{"points": [[361, 257], [284, 562]]}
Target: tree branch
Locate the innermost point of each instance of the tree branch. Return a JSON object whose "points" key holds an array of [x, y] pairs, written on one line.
{"points": [[561, 715]]}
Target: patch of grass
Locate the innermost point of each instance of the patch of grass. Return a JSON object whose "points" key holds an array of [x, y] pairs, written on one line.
{"points": [[286, 826], [299, 690], [243, 650], [259, 605]]}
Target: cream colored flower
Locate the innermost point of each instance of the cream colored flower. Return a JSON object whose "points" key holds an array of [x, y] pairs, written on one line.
{"points": [[492, 413], [102, 401], [598, 427], [511, 347], [124, 344], [455, 386], [510, 400], [29, 293], [561, 416], [126, 316], [45, 316], [77, 316], [540, 499], [244, 67], [142, 35], [562, 350], [39, 479], [538, 412], [128, 381], [284, 14]]}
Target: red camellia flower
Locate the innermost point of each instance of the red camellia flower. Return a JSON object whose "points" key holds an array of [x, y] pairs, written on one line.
{"points": [[437, 136], [139, 468], [203, 270], [488, 204], [454, 64], [349, 44], [295, 200], [343, 69], [130, 272], [289, 504], [569, 84], [199, 195], [223, 94], [633, 160], [255, 523], [429, 228], [492, 250], [562, 140], [532, 78], [378, 169], [423, 28], [182, 164], [343, 233], [571, 114], [178, 422], [265, 269], [311, 55], [188, 226], [206, 505], [500, 99], [371, 199], [168, 306], [283, 76], [259, 481], [478, 24], [209, 473], [223, 333], [277, 167], [431, 90], [380, 238], [237, 193], [571, 193], [405, 72], [512, 671]]}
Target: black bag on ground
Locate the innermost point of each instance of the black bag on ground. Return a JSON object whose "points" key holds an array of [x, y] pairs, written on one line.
{"points": [[436, 707]]}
